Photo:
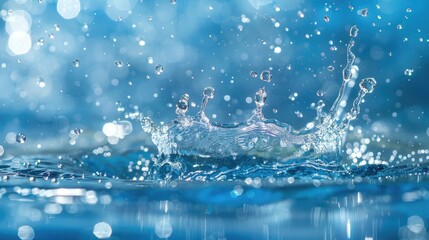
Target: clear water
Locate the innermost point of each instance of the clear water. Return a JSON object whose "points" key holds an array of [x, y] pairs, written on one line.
{"points": [[103, 137]]}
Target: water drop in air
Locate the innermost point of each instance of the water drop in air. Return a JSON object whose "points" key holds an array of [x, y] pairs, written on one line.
{"points": [[330, 68], [20, 138], [41, 41], [119, 64], [253, 74], [76, 63], [266, 76], [409, 72], [364, 12], [326, 18], [40, 82], [354, 31], [77, 131], [159, 69]]}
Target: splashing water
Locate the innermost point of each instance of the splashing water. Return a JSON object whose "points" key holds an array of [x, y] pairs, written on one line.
{"points": [[258, 136], [67, 155]]}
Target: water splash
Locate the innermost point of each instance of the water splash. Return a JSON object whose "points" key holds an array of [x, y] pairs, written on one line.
{"points": [[258, 136]]}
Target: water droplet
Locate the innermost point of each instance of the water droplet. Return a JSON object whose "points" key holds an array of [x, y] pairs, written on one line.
{"points": [[409, 72], [277, 50], [76, 63], [293, 96], [260, 98], [299, 114], [119, 106], [253, 74], [354, 31], [159, 69], [330, 68], [173, 1], [78, 131], [300, 14], [51, 36], [275, 110], [119, 64], [40, 82], [409, 10], [209, 92], [20, 138], [364, 12], [41, 41], [320, 93], [266, 76], [142, 43], [326, 18], [399, 27], [57, 27], [367, 85], [183, 105]]}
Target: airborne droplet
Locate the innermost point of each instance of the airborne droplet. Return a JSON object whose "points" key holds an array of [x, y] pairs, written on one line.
{"points": [[20, 138], [409, 72], [40, 82], [76, 63], [253, 74], [119, 64], [159, 69], [364, 12], [354, 31], [266, 76], [326, 18], [77, 131]]}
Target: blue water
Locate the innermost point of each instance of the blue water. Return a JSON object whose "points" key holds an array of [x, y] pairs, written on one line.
{"points": [[72, 70]]}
